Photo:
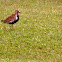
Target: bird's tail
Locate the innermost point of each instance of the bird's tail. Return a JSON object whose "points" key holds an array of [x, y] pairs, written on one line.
{"points": [[1, 20]]}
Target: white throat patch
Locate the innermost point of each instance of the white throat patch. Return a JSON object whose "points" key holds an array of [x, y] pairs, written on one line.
{"points": [[16, 17]]}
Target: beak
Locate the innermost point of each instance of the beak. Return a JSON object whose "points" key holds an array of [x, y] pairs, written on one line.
{"points": [[19, 11]]}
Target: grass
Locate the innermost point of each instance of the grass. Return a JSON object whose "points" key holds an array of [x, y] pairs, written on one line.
{"points": [[37, 36]]}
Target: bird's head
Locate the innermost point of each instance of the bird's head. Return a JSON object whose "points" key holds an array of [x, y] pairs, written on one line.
{"points": [[17, 11]]}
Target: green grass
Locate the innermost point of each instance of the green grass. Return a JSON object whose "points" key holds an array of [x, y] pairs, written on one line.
{"points": [[37, 36]]}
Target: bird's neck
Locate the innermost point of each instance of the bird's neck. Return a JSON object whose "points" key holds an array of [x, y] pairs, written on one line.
{"points": [[16, 14]]}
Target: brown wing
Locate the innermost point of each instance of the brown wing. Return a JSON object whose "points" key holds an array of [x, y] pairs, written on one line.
{"points": [[10, 18]]}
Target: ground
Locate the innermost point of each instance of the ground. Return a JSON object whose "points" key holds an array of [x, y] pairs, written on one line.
{"points": [[37, 36]]}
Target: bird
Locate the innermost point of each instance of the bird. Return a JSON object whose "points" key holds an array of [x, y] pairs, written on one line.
{"points": [[12, 19]]}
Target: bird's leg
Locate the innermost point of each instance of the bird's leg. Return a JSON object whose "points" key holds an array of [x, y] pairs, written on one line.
{"points": [[11, 26]]}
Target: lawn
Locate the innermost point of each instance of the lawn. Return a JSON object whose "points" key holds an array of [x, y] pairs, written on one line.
{"points": [[37, 36]]}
